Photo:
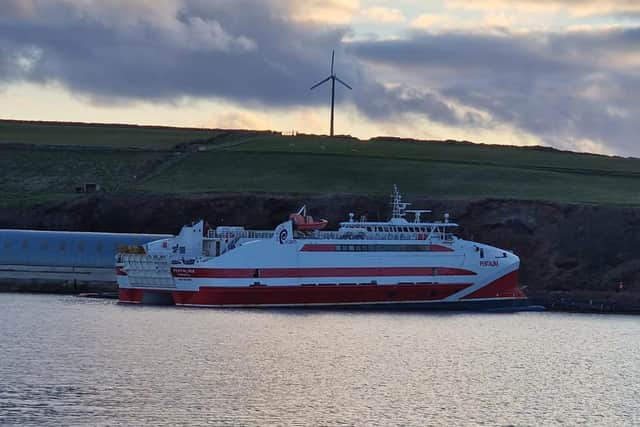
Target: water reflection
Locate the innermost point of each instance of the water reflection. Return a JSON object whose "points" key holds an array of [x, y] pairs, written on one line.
{"points": [[72, 361]]}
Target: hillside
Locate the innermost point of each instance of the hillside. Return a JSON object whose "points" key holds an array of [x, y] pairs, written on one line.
{"points": [[44, 162], [573, 218]]}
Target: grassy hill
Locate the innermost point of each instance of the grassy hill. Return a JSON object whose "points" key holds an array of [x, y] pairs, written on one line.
{"points": [[98, 135], [44, 161]]}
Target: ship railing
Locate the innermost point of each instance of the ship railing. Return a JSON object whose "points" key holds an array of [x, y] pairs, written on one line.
{"points": [[240, 234], [335, 235], [259, 234], [331, 235]]}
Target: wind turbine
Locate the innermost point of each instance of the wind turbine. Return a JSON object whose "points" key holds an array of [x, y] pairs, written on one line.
{"points": [[333, 79]]}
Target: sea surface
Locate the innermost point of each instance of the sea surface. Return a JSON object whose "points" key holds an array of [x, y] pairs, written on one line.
{"points": [[67, 360]]}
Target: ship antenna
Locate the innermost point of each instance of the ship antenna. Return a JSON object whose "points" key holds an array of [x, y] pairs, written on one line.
{"points": [[397, 206]]}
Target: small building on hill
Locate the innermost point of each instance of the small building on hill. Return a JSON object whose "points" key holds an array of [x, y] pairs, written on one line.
{"points": [[87, 187]]}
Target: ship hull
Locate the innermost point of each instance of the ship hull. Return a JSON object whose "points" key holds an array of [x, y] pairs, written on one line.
{"points": [[502, 294]]}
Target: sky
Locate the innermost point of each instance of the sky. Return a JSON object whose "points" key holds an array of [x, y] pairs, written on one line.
{"points": [[560, 73]]}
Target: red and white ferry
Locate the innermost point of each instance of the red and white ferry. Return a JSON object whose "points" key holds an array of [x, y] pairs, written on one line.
{"points": [[401, 263]]}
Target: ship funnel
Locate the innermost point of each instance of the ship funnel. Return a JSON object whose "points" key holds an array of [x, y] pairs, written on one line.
{"points": [[284, 232]]}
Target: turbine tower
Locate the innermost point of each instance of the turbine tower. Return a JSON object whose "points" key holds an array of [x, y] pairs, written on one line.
{"points": [[333, 79]]}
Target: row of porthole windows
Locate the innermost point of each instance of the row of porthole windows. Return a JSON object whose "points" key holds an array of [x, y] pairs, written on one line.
{"points": [[61, 246], [383, 248], [397, 229]]}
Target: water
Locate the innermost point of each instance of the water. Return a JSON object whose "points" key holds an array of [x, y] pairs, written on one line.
{"points": [[66, 360]]}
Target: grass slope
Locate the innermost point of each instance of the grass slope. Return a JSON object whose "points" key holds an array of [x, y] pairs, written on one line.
{"points": [[326, 173], [308, 164], [33, 175], [156, 138]]}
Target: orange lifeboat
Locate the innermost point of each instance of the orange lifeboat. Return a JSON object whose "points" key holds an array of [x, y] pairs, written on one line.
{"points": [[304, 222]]}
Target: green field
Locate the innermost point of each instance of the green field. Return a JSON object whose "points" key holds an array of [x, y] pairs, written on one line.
{"points": [[33, 175], [458, 153], [255, 171], [99, 136], [306, 164]]}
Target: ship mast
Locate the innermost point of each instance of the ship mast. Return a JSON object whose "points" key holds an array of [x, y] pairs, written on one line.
{"points": [[397, 205]]}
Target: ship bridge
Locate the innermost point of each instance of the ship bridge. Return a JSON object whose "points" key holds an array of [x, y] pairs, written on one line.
{"points": [[398, 227]]}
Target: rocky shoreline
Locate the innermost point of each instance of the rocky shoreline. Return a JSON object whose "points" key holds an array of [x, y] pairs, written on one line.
{"points": [[572, 256]]}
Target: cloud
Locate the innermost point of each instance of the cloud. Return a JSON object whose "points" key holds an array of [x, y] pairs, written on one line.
{"points": [[200, 34], [235, 119], [428, 21], [162, 51], [580, 8], [574, 90], [571, 89], [531, 15], [441, 22], [383, 14], [324, 11]]}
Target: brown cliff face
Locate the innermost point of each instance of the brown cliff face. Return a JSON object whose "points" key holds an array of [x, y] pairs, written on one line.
{"points": [[577, 248]]}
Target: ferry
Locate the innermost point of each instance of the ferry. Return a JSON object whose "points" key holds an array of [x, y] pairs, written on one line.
{"points": [[402, 263]]}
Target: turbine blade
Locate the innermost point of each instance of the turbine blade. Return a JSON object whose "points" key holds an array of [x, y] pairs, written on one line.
{"points": [[346, 85], [319, 83], [333, 52]]}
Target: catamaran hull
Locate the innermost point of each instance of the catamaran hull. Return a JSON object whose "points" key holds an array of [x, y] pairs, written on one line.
{"points": [[502, 294]]}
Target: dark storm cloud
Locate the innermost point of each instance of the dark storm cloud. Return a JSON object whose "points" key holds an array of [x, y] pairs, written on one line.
{"points": [[562, 87], [244, 56], [245, 51]]}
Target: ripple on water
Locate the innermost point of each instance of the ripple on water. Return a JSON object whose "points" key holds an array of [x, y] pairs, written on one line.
{"points": [[72, 361]]}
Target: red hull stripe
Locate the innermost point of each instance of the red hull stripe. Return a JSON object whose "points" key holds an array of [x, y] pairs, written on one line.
{"points": [[319, 248], [133, 296], [506, 286], [439, 248], [343, 294], [241, 273]]}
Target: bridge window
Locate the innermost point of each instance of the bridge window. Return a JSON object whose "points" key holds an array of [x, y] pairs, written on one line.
{"points": [[383, 248]]}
